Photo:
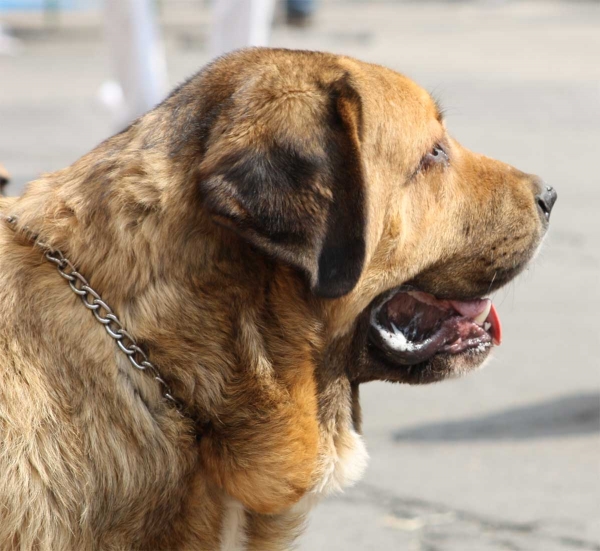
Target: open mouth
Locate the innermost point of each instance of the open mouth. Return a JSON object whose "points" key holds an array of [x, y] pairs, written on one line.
{"points": [[411, 326]]}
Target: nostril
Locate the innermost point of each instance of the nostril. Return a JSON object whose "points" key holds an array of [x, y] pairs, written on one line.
{"points": [[542, 204], [546, 200]]}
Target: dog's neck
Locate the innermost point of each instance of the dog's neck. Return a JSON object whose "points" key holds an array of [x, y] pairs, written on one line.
{"points": [[109, 215], [172, 275], [124, 224]]}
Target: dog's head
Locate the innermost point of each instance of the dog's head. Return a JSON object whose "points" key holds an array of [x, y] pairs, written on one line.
{"points": [[346, 237], [346, 171]]}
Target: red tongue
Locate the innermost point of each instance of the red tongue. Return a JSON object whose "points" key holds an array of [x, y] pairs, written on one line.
{"points": [[496, 327]]}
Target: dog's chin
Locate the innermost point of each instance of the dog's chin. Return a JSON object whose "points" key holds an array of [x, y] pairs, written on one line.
{"points": [[415, 338], [437, 368]]}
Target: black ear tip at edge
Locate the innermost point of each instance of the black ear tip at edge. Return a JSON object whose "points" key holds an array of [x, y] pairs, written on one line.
{"points": [[334, 289], [338, 276]]}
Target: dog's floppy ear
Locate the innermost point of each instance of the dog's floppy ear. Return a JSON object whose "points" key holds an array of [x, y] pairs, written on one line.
{"points": [[284, 170]]}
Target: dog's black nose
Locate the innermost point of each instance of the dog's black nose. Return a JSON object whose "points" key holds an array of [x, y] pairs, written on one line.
{"points": [[546, 200]]}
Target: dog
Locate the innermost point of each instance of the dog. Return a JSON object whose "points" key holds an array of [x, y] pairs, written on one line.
{"points": [[284, 227]]}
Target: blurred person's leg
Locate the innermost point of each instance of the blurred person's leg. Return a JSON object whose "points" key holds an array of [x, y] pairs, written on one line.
{"points": [[138, 59], [299, 12], [240, 23]]}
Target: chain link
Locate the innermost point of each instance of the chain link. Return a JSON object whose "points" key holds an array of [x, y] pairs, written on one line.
{"points": [[105, 315]]}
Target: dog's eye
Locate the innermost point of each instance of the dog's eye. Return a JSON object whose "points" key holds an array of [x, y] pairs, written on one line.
{"points": [[436, 156]]}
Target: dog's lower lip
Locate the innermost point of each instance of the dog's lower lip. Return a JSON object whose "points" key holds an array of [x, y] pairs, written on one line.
{"points": [[410, 326]]}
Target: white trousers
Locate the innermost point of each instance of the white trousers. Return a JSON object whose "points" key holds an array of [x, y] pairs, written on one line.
{"points": [[138, 58]]}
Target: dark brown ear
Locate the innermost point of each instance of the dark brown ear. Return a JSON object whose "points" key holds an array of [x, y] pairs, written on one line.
{"points": [[288, 177]]}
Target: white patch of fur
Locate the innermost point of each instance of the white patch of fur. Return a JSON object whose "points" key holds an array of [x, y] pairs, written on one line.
{"points": [[346, 465], [233, 528]]}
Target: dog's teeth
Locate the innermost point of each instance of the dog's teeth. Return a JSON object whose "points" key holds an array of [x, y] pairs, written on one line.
{"points": [[396, 330], [480, 319], [487, 325]]}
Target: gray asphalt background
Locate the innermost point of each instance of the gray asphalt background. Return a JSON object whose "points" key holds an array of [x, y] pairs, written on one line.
{"points": [[507, 458]]}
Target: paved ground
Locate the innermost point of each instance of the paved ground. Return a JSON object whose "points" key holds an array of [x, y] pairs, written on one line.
{"points": [[508, 458]]}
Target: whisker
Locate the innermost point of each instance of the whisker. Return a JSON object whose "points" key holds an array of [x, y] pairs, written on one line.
{"points": [[492, 282]]}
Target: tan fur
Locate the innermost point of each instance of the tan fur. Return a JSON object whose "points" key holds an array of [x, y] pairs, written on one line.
{"points": [[91, 456]]}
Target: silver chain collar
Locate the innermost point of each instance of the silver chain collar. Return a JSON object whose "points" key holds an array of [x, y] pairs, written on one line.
{"points": [[105, 315]]}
